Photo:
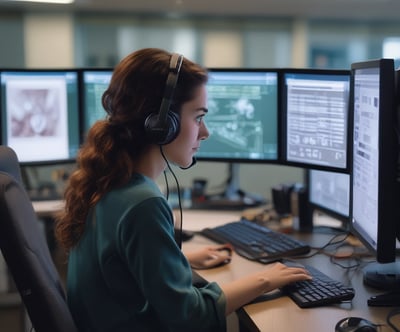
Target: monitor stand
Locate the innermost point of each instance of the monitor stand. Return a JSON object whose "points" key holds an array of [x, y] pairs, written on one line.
{"points": [[385, 277], [232, 198]]}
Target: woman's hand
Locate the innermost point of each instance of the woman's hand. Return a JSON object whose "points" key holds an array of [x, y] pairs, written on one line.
{"points": [[241, 291], [278, 275], [210, 256]]}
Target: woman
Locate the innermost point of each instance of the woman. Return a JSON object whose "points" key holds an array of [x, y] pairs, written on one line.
{"points": [[125, 271]]}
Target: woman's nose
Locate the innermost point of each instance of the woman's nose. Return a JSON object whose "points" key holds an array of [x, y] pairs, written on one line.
{"points": [[204, 133]]}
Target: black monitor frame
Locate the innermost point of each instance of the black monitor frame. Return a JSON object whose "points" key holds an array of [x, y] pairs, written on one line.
{"points": [[387, 183], [382, 237], [307, 73], [71, 115]]}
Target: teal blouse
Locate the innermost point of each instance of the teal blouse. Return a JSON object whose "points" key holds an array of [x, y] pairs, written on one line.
{"points": [[128, 274]]}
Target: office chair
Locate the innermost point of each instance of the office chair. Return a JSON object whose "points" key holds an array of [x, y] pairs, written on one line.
{"points": [[9, 163], [27, 255]]}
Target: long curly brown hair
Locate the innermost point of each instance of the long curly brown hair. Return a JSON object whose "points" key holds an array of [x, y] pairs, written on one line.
{"points": [[111, 147]]}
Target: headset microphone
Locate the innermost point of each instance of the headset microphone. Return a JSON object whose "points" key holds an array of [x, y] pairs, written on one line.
{"points": [[194, 161]]}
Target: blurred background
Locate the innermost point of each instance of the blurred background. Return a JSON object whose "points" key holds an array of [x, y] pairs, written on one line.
{"points": [[219, 33]]}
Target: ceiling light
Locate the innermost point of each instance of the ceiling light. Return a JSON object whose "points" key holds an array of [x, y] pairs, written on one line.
{"points": [[49, 1]]}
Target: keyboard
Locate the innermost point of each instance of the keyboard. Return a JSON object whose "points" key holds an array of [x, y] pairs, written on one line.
{"points": [[321, 290], [256, 242]]}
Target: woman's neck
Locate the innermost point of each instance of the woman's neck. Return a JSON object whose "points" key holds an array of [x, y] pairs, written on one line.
{"points": [[151, 163]]}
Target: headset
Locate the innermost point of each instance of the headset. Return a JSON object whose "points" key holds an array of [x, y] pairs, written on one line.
{"points": [[163, 127]]}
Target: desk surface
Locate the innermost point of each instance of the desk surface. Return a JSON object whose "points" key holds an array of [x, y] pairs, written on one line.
{"points": [[47, 208], [280, 313]]}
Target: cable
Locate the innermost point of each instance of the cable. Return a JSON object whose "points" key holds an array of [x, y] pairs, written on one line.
{"points": [[179, 228], [320, 250], [166, 184]]}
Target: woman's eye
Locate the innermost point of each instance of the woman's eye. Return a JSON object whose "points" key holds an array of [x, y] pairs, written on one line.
{"points": [[199, 118]]}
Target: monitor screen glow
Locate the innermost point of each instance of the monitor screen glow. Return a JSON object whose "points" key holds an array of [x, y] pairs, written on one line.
{"points": [[330, 193], [242, 116], [93, 84], [315, 105], [40, 118]]}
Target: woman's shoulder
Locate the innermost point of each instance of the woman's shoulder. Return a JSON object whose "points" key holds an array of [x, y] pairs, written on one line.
{"points": [[140, 188], [143, 186]]}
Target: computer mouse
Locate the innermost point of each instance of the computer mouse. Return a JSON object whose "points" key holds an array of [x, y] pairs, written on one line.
{"points": [[355, 324]]}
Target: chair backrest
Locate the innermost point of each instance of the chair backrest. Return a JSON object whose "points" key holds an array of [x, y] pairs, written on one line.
{"points": [[27, 255], [9, 163]]}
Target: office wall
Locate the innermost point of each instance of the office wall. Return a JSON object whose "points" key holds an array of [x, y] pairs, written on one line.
{"points": [[12, 53], [68, 40], [222, 49], [49, 42]]}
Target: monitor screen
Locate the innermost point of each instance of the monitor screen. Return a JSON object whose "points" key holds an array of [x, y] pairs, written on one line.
{"points": [[40, 117], [329, 192], [242, 116], [315, 118], [93, 84], [375, 192]]}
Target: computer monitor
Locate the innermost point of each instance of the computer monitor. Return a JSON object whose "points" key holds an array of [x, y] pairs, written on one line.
{"points": [[329, 193], [39, 114], [242, 119], [315, 118], [375, 191], [93, 83]]}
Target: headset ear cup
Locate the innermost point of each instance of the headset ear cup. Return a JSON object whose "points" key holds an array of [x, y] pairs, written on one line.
{"points": [[162, 134], [151, 128], [173, 127], [162, 128]]}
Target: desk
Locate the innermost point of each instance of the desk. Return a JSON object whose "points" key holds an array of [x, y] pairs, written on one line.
{"points": [[47, 209], [281, 314]]}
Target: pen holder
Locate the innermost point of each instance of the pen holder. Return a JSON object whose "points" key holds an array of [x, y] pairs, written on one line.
{"points": [[301, 211]]}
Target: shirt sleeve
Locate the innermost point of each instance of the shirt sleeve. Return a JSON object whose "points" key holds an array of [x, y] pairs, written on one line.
{"points": [[146, 241]]}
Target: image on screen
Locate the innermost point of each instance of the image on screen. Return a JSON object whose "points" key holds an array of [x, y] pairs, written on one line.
{"points": [[315, 104], [330, 192], [242, 116], [94, 83], [40, 117]]}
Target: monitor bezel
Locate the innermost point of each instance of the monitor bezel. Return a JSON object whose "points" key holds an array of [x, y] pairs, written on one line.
{"points": [[388, 186], [44, 162], [283, 88], [278, 159]]}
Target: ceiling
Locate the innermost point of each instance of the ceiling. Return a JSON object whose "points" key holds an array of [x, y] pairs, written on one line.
{"points": [[376, 10]]}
